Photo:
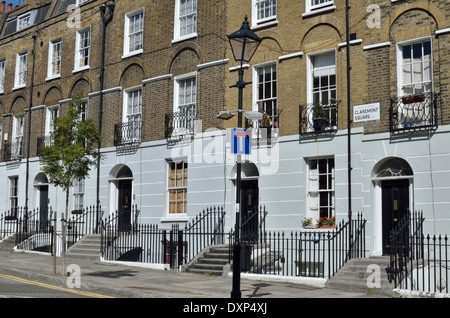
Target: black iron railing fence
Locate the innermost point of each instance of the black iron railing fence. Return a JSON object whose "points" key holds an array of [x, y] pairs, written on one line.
{"points": [[418, 262], [34, 229], [83, 222], [311, 253], [148, 243]]}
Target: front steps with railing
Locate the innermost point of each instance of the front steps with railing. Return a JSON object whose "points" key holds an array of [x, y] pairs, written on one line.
{"points": [[87, 248], [361, 274], [8, 243], [213, 260]]}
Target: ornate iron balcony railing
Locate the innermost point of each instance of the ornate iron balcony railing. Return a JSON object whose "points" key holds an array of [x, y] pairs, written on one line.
{"points": [[181, 123], [268, 127], [127, 133], [13, 151], [413, 112], [41, 143], [318, 118]]}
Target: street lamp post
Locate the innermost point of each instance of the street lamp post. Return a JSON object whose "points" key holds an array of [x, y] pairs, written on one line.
{"points": [[105, 20], [244, 43]]}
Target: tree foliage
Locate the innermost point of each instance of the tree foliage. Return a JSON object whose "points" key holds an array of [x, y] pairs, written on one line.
{"points": [[72, 150]]}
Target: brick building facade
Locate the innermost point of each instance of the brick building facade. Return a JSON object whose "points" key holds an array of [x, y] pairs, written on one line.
{"points": [[168, 71]]}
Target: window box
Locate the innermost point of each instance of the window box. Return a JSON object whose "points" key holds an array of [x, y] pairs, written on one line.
{"points": [[413, 99]]}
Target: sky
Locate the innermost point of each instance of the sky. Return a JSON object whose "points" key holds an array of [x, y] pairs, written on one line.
{"points": [[14, 2]]}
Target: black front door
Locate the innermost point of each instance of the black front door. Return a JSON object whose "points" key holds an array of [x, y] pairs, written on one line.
{"points": [[124, 205], [249, 210], [395, 204], [43, 207]]}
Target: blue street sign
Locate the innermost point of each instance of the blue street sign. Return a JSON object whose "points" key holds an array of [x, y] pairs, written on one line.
{"points": [[240, 141]]}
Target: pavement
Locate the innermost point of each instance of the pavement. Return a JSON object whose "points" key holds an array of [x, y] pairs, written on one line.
{"points": [[124, 281]]}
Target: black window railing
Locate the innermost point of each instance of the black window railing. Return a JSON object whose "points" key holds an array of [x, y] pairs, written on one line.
{"points": [[41, 143], [413, 112], [127, 133], [13, 151], [316, 118], [182, 123]]}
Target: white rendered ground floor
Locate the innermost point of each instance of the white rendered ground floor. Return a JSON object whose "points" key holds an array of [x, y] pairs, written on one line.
{"points": [[293, 177]]}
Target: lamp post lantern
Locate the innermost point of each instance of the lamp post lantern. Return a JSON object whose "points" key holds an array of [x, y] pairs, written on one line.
{"points": [[244, 43]]}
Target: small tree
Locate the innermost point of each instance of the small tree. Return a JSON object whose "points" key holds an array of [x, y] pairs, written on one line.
{"points": [[72, 150]]}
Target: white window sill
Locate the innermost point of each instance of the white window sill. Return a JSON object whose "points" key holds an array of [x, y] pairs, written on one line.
{"points": [[182, 217], [19, 87], [318, 11], [80, 69], [265, 24], [184, 38], [130, 54], [52, 77]]}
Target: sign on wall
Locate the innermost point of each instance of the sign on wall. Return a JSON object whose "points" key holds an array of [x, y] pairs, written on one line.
{"points": [[366, 112]]}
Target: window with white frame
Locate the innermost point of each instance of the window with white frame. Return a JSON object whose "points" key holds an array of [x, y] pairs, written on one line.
{"points": [[54, 58], [17, 138], [134, 32], [23, 21], [415, 68], [185, 103], [322, 79], [264, 11], [83, 109], [177, 187], [266, 92], [132, 120], [321, 187], [20, 79], [78, 194], [2, 76], [185, 19], [82, 49], [13, 194], [52, 113], [312, 5]]}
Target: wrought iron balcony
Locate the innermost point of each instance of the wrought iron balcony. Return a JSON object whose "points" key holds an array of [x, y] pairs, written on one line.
{"points": [[318, 118], [127, 133], [268, 128], [181, 124], [41, 143], [416, 112], [13, 151]]}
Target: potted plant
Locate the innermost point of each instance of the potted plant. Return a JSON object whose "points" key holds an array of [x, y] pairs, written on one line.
{"points": [[265, 123], [319, 117], [413, 99], [307, 223], [326, 223]]}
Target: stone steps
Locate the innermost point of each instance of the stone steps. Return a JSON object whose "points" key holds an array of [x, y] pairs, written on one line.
{"points": [[363, 275], [8, 243], [87, 248], [212, 261]]}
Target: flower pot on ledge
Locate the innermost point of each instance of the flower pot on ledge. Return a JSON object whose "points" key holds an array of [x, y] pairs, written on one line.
{"points": [[326, 226]]}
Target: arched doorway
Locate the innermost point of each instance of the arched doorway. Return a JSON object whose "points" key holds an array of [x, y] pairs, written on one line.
{"points": [[393, 180], [121, 190], [41, 193], [249, 200]]}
